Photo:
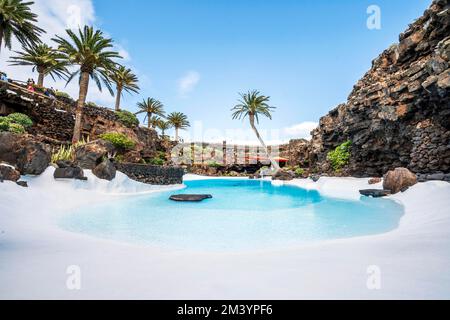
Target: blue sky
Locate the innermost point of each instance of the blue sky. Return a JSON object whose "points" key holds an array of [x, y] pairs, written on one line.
{"points": [[197, 55]]}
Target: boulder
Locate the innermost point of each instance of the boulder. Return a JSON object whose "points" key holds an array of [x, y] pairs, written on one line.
{"points": [[73, 172], [436, 176], [398, 179], [190, 197], [89, 155], [283, 175], [315, 178], [23, 184], [64, 164], [24, 152], [105, 170], [8, 173], [375, 180], [375, 193]]}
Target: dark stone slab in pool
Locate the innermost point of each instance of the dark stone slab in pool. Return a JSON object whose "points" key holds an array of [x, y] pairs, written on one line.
{"points": [[376, 193], [190, 197]]}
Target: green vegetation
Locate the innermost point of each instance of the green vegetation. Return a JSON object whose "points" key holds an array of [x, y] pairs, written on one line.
{"points": [[163, 126], [128, 118], [16, 128], [4, 124], [252, 105], [179, 121], [119, 140], [91, 104], [299, 171], [158, 160], [340, 156], [151, 107], [17, 21], [15, 123], [43, 59], [126, 80], [63, 94], [215, 164], [94, 56], [21, 119], [65, 153]]}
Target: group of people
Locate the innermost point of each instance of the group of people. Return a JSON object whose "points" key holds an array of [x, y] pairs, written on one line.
{"points": [[49, 92], [31, 86]]}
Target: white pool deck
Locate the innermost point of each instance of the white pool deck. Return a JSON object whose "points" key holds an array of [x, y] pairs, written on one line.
{"points": [[413, 260]]}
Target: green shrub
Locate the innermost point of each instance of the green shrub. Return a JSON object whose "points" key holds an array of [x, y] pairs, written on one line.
{"points": [[215, 164], [16, 128], [65, 153], [156, 161], [299, 171], [127, 118], [20, 118], [119, 140], [63, 95], [4, 124], [91, 104], [340, 156], [119, 158]]}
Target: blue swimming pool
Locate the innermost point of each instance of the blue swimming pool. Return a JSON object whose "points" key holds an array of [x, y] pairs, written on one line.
{"points": [[243, 214]]}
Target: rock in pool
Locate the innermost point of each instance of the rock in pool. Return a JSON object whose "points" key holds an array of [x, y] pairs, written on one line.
{"points": [[376, 193], [190, 197]]}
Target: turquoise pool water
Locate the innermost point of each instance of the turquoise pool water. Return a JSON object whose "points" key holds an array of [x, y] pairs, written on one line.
{"points": [[243, 214]]}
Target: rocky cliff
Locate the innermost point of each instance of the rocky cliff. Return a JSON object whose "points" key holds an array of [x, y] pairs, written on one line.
{"points": [[53, 124], [398, 114]]}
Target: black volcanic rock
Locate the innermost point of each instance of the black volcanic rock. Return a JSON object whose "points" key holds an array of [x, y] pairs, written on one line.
{"points": [[69, 173], [105, 170], [24, 152], [190, 197], [375, 193]]}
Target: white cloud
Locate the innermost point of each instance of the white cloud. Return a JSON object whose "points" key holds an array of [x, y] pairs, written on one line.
{"points": [[301, 130], [188, 82], [55, 16]]}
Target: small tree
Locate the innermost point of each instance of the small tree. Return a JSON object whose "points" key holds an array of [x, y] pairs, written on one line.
{"points": [[340, 156], [44, 60], [125, 80]]}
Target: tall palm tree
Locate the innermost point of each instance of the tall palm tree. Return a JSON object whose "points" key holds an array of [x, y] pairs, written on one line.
{"points": [[43, 59], [163, 126], [252, 105], [17, 20], [151, 107], [126, 80], [91, 51], [178, 120]]}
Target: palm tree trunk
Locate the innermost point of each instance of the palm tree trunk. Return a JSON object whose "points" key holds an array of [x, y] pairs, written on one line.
{"points": [[149, 120], [118, 95], [266, 150], [176, 134], [1, 38], [84, 84], [41, 79]]}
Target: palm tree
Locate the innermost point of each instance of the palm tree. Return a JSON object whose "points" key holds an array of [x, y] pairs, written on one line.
{"points": [[91, 51], [43, 59], [124, 80], [178, 120], [151, 107], [17, 20], [251, 105], [163, 126]]}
